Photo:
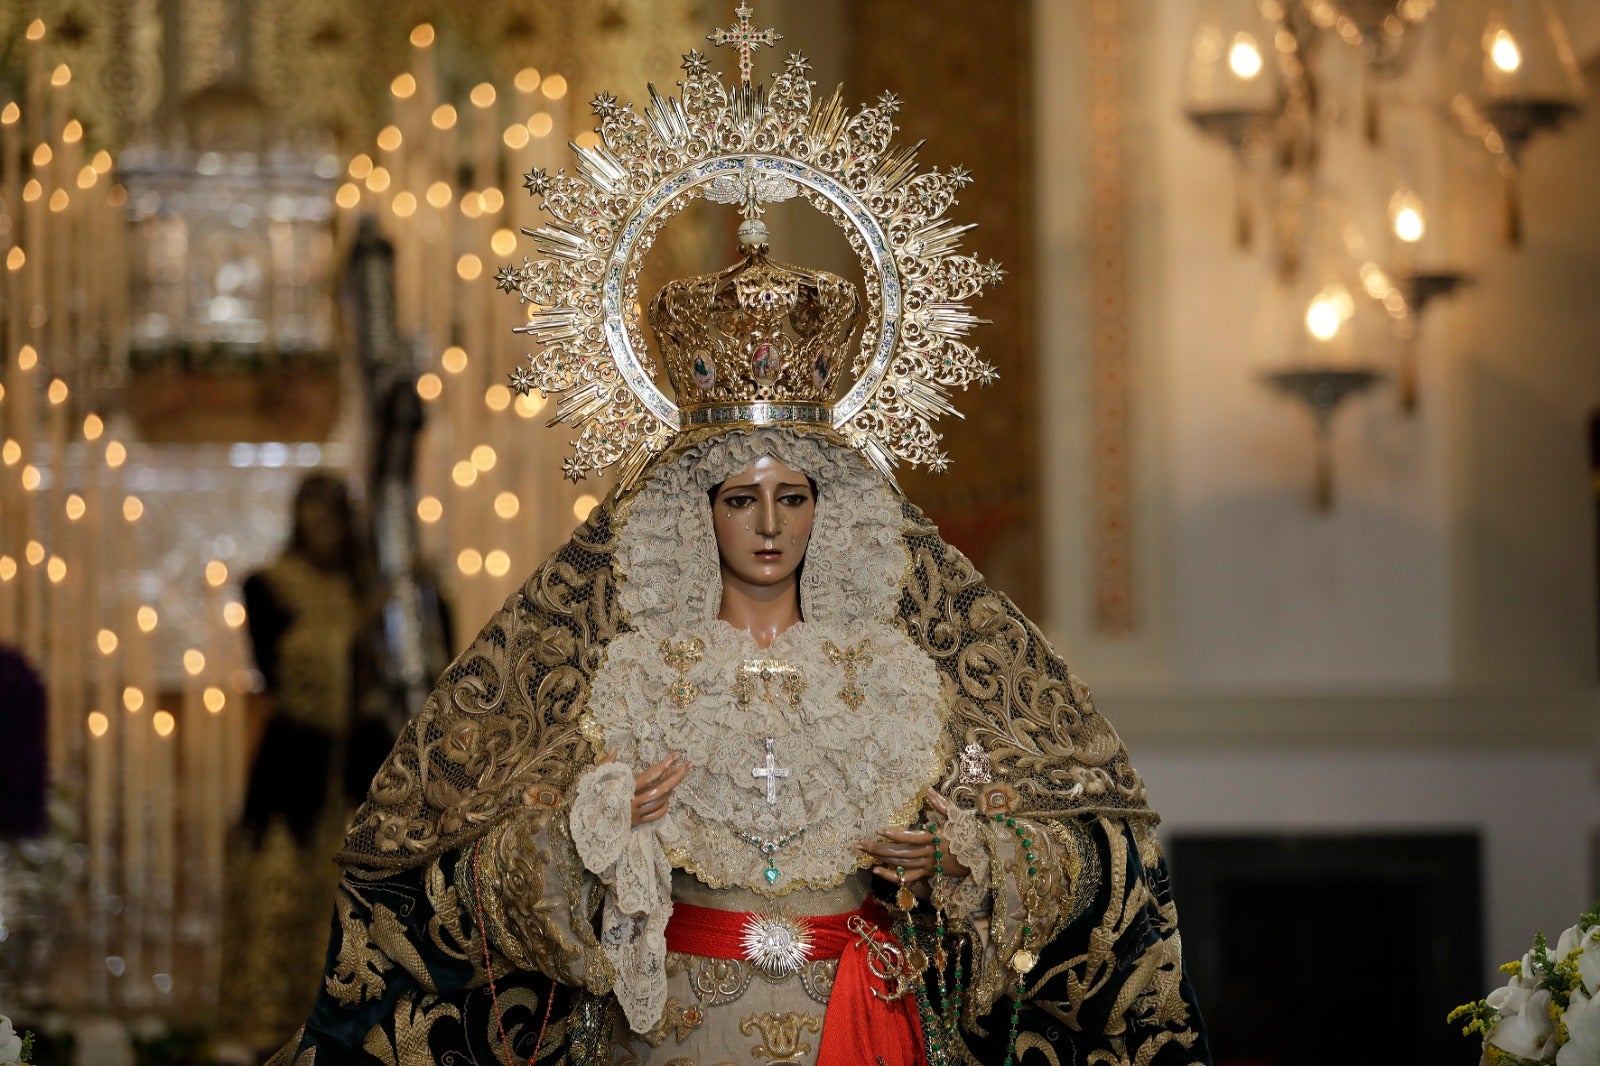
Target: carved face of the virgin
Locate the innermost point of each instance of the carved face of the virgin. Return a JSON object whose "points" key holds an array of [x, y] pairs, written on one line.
{"points": [[762, 516]]}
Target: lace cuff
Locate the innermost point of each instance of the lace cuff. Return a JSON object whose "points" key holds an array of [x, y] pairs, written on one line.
{"points": [[602, 811], [1028, 883], [632, 863], [964, 897]]}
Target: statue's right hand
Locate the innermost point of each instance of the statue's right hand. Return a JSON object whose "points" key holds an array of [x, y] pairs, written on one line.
{"points": [[653, 786]]}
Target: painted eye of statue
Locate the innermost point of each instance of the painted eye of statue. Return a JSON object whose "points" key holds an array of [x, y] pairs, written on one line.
{"points": [[738, 501], [795, 499]]}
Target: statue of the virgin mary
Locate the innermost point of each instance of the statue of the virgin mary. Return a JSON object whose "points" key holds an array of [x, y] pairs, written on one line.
{"points": [[757, 768]]}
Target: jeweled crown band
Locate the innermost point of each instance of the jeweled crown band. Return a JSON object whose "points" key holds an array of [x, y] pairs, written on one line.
{"points": [[756, 413]]}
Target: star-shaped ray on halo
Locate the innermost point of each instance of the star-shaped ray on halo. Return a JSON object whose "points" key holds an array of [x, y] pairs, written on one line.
{"points": [[523, 381], [695, 63]]}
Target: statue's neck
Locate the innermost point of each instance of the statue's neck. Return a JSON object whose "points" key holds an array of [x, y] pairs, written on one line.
{"points": [[763, 611]]}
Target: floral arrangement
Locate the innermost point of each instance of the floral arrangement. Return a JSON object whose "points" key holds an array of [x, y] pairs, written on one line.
{"points": [[15, 1047], [1549, 1011]]}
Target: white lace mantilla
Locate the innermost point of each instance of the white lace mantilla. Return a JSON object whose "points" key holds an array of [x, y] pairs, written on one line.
{"points": [[858, 750], [667, 551]]}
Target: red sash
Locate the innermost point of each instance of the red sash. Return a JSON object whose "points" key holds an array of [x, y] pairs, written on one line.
{"points": [[859, 1027]]}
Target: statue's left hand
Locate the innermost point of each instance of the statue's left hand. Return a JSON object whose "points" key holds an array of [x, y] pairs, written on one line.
{"points": [[653, 786], [905, 856]]}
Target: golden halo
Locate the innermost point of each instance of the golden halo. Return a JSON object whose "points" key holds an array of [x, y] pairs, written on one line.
{"points": [[646, 168]]}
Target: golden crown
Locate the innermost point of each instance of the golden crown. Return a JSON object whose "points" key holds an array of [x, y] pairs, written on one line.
{"points": [[762, 341]]}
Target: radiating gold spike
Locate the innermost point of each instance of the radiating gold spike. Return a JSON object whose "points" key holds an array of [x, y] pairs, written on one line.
{"points": [[896, 168], [926, 398], [667, 118], [600, 167], [560, 243], [950, 319], [828, 120], [580, 405], [552, 325], [633, 464], [749, 105], [880, 457], [939, 238]]}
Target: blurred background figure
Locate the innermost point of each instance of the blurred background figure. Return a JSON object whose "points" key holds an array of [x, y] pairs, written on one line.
{"points": [[306, 615]]}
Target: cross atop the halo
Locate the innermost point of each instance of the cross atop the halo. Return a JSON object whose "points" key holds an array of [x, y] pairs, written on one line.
{"points": [[743, 38]]}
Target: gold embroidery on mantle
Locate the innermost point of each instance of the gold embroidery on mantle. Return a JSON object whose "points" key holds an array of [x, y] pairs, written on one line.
{"points": [[677, 1021]]}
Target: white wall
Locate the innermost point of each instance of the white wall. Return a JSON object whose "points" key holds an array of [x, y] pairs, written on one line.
{"points": [[1461, 550], [1424, 656], [1527, 380]]}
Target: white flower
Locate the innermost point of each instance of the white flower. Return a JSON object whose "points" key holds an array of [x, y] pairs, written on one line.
{"points": [[1529, 1032], [10, 1043], [1588, 946], [1526, 977], [1509, 998], [1589, 963], [1582, 1019]]}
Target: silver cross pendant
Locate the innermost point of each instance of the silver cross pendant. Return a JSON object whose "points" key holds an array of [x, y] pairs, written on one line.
{"points": [[771, 771]]}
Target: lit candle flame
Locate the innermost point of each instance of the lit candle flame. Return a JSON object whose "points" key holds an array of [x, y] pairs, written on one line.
{"points": [[1405, 215], [1327, 312], [1504, 52], [1244, 57]]}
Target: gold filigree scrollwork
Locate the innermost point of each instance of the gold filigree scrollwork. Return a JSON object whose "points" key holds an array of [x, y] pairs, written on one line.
{"points": [[781, 1034], [677, 1021], [719, 981]]}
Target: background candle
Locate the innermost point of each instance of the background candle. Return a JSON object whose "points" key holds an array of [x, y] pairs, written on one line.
{"points": [[163, 839], [98, 787]]}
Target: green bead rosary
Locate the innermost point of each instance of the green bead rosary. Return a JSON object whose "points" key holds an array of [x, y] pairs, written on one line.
{"points": [[1024, 960], [943, 1026]]}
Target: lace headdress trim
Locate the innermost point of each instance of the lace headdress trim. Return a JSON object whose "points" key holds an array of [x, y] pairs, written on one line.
{"points": [[667, 551]]}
